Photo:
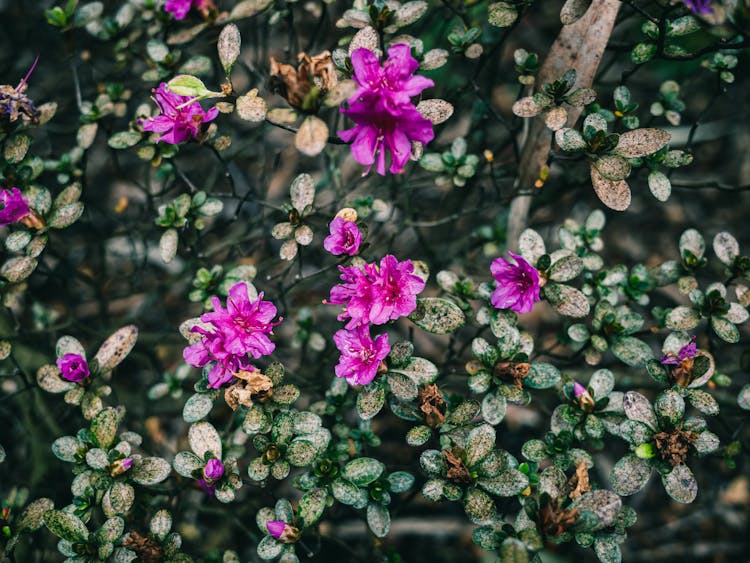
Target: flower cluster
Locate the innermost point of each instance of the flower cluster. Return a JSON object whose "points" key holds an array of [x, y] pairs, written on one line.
{"points": [[702, 7], [385, 118], [374, 294], [517, 284], [180, 8], [181, 117], [345, 237], [13, 206], [234, 333]]}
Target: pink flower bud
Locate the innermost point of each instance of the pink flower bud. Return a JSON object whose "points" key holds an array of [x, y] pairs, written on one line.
{"points": [[578, 390], [213, 471], [276, 528], [73, 367]]}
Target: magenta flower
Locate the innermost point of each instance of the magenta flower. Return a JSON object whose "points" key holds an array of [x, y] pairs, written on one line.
{"points": [[702, 7], [240, 329], [73, 367], [517, 284], [345, 237], [360, 354], [213, 471], [377, 294], [180, 8], [13, 206], [688, 351], [181, 118], [386, 120], [276, 528]]}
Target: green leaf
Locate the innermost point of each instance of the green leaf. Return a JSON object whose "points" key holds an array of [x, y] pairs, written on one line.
{"points": [[402, 387], [118, 499], [418, 435], [362, 471], [124, 139], [607, 549], [630, 475], [670, 408], [631, 351], [725, 329], [150, 471], [187, 85], [419, 370], [204, 438], [16, 148], [344, 491], [311, 507], [437, 315], [507, 484], [378, 519], [104, 427], [659, 184], [197, 407], [682, 318], [66, 526], [269, 548], [111, 530], [513, 550], [401, 481], [18, 268], [743, 397], [566, 300], [680, 484], [494, 406]]}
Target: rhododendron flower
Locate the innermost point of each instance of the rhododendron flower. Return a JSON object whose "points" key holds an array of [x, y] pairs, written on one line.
{"points": [[13, 206], [73, 367], [280, 530], [578, 390], [688, 351], [180, 8], [240, 329], [181, 119], [386, 120], [213, 471], [517, 284], [377, 294], [345, 237], [702, 7], [276, 528], [360, 354]]}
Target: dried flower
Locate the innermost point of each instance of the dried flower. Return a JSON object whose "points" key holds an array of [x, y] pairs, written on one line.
{"points": [[702, 7], [579, 483], [15, 104], [361, 356], [457, 470], [252, 385], [673, 447], [517, 371], [554, 520], [377, 294], [146, 548], [73, 367], [13, 206], [304, 87], [345, 237], [517, 284], [240, 329], [181, 117], [386, 120], [432, 404]]}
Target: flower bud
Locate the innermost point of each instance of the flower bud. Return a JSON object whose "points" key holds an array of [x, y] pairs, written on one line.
{"points": [[213, 471], [584, 398], [282, 531], [120, 466], [645, 451], [73, 367]]}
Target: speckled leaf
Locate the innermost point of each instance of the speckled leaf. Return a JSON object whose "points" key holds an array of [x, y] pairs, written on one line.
{"points": [[32, 517], [168, 245], [362, 471], [402, 387], [435, 110], [366, 37], [104, 427], [502, 14], [494, 407], [513, 550], [569, 140], [18, 268], [150, 471], [565, 267], [659, 184], [614, 194], [311, 507], [605, 504], [66, 526], [269, 548], [682, 318], [16, 148], [552, 481], [118, 499], [507, 484], [680, 484], [567, 300], [612, 167], [479, 443], [607, 549], [726, 330], [637, 407], [197, 407], [419, 370], [707, 443], [312, 136], [527, 107], [479, 506], [437, 315], [631, 351], [573, 10], [203, 438], [116, 348], [726, 247], [301, 453], [370, 401], [542, 376], [630, 475], [228, 46], [418, 435], [48, 378], [302, 192], [251, 108], [378, 519], [743, 397], [641, 142]]}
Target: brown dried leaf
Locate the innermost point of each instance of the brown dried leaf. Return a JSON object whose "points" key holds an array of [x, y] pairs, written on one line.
{"points": [[613, 194]]}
